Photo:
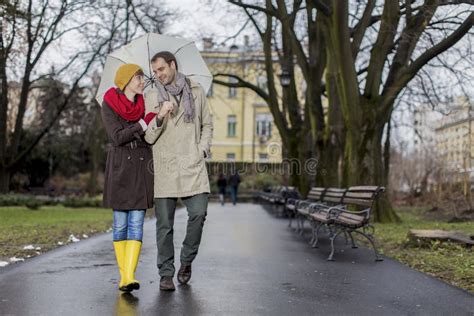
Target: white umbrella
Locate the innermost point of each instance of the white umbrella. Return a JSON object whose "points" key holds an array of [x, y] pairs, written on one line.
{"points": [[141, 50]]}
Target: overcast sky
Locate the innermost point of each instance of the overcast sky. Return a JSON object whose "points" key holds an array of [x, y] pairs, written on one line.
{"points": [[203, 18]]}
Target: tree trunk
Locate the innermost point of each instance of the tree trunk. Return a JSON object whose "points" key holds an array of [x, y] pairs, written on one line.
{"points": [[96, 139], [297, 156], [334, 135], [5, 176], [364, 165], [363, 162]]}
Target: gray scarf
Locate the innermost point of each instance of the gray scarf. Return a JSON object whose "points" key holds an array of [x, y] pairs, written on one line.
{"points": [[182, 86]]}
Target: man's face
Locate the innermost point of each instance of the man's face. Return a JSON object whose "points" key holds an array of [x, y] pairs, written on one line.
{"points": [[163, 71]]}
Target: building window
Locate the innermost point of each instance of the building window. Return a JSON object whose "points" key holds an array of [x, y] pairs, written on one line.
{"points": [[263, 157], [233, 90], [231, 125], [264, 124], [230, 156], [210, 93]]}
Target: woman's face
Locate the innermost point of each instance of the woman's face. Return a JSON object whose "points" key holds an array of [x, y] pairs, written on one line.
{"points": [[137, 84]]}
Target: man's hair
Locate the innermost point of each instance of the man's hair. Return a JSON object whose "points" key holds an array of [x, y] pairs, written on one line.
{"points": [[167, 57]]}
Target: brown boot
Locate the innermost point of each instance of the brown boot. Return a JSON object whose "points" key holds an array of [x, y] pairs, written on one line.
{"points": [[184, 273], [166, 284]]}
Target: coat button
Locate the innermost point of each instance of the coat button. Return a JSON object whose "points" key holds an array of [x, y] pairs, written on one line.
{"points": [[141, 158], [129, 157]]}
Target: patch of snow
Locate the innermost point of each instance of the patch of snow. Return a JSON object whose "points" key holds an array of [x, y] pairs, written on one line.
{"points": [[15, 259], [29, 247], [3, 264], [73, 238]]}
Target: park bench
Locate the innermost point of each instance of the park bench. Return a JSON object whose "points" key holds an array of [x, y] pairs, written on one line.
{"points": [[287, 193], [317, 201], [274, 196], [314, 195], [277, 197], [353, 216], [279, 194], [265, 195], [341, 211]]}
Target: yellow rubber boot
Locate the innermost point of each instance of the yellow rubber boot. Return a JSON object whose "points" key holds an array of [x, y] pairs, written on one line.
{"points": [[120, 247], [132, 253]]}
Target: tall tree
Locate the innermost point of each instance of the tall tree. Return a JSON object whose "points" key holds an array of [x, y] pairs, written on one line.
{"points": [[30, 33], [301, 124], [372, 51], [394, 61]]}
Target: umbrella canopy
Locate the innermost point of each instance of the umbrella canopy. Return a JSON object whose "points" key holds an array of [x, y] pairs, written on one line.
{"points": [[140, 52]]}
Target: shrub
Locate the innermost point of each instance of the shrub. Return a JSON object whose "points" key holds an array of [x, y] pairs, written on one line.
{"points": [[33, 204], [83, 201]]}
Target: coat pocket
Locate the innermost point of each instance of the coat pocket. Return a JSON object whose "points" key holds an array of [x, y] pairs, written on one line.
{"points": [[116, 158], [199, 153]]}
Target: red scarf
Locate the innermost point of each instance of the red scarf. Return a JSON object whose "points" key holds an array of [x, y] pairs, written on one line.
{"points": [[124, 107]]}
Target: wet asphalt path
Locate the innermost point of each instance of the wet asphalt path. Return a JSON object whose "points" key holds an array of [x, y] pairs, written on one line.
{"points": [[250, 263]]}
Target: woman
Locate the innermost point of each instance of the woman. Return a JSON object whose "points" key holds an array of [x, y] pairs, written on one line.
{"points": [[128, 187]]}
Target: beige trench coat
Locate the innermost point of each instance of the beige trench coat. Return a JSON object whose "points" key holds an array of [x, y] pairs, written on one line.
{"points": [[179, 148]]}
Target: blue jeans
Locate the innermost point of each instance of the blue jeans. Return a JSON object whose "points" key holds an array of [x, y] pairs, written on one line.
{"points": [[233, 194], [128, 225]]}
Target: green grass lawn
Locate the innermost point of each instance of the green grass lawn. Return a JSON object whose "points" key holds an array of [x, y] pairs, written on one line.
{"points": [[447, 261], [20, 226]]}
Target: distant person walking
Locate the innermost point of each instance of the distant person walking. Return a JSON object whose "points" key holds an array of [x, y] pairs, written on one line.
{"points": [[234, 182], [222, 185], [128, 187]]}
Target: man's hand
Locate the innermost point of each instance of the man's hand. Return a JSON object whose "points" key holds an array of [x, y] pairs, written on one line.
{"points": [[166, 108]]}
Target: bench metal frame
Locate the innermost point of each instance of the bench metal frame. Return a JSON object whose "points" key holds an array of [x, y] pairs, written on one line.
{"points": [[348, 222]]}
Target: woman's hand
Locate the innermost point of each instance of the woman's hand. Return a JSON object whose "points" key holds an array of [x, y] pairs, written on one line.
{"points": [[166, 108]]}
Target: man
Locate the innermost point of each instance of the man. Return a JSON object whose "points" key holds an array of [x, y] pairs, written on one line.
{"points": [[234, 182], [181, 137]]}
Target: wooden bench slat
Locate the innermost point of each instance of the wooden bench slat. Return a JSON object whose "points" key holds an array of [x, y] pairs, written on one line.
{"points": [[348, 221], [314, 196], [319, 216], [360, 195], [365, 188], [352, 216], [336, 194], [332, 199], [338, 190], [357, 202]]}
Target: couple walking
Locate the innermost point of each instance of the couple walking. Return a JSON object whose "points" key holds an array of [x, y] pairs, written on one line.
{"points": [[156, 155]]}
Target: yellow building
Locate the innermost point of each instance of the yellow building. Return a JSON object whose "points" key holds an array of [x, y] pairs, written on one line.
{"points": [[243, 125], [454, 139]]}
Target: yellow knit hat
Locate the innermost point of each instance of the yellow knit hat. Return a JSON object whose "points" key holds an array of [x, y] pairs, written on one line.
{"points": [[124, 74]]}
